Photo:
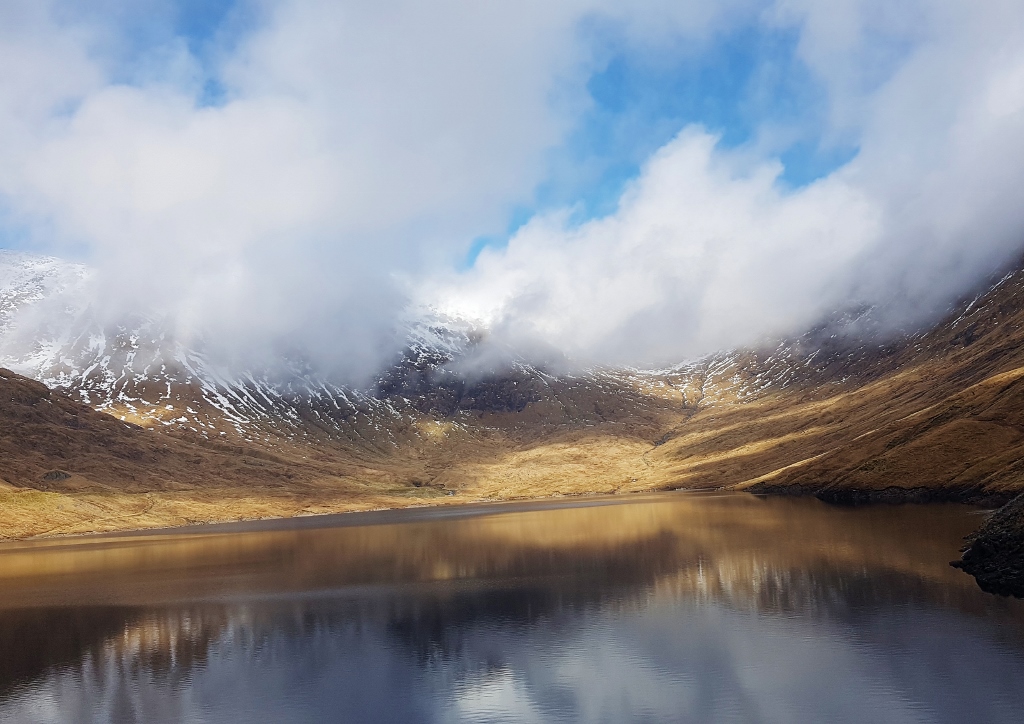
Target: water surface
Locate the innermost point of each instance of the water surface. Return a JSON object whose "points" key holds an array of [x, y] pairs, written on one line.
{"points": [[669, 607]]}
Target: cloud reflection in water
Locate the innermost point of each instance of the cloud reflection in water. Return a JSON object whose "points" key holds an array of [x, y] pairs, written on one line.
{"points": [[665, 608]]}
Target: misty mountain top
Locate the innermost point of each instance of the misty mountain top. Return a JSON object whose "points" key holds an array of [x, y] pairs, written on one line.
{"points": [[612, 184], [933, 415], [53, 327], [142, 370]]}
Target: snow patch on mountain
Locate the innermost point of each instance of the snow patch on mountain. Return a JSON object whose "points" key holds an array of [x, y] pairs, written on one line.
{"points": [[139, 371]]}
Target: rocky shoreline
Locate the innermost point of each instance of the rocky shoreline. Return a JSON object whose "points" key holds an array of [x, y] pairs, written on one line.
{"points": [[841, 495], [994, 554]]}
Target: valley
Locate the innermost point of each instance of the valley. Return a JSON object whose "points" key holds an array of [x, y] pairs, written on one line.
{"points": [[131, 430]]}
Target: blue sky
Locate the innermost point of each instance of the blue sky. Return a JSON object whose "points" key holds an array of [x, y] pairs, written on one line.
{"points": [[742, 83], [201, 20]]}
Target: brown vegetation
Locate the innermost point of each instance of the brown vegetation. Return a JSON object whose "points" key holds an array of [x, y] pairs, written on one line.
{"points": [[938, 415]]}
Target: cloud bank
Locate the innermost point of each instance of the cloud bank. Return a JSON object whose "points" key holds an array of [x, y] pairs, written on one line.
{"points": [[306, 172], [708, 249]]}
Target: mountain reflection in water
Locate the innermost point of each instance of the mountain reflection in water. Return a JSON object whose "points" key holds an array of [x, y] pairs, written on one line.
{"points": [[671, 607]]}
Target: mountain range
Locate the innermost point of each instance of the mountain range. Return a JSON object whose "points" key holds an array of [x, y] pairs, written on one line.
{"points": [[113, 426]]}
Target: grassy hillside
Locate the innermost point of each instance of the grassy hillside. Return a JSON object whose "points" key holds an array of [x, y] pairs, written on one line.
{"points": [[933, 415]]}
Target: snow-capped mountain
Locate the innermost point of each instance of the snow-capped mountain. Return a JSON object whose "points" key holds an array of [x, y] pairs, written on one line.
{"points": [[837, 411], [138, 371]]}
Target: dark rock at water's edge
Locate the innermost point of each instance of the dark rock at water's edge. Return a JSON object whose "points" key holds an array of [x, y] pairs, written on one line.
{"points": [[898, 495], [840, 495], [994, 555]]}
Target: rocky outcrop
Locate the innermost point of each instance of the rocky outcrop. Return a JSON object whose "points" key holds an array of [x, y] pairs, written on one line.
{"points": [[994, 555], [837, 494]]}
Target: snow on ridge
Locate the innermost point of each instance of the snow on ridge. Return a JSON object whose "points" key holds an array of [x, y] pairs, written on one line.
{"points": [[137, 370], [26, 279]]}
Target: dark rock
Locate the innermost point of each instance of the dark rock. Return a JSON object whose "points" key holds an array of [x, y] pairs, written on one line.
{"points": [[836, 494], [897, 495], [432, 387], [994, 555]]}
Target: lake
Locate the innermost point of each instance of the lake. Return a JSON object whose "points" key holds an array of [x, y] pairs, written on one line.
{"points": [[670, 607]]}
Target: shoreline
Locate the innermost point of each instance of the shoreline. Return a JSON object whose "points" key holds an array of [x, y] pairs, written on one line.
{"points": [[388, 514], [354, 518], [993, 554], [893, 495]]}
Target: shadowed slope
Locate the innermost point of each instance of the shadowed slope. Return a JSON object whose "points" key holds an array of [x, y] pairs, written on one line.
{"points": [[930, 416]]}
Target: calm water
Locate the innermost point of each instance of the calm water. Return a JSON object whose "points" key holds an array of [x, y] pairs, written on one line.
{"points": [[671, 607]]}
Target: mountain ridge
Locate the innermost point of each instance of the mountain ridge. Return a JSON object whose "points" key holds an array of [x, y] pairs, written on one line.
{"points": [[936, 414]]}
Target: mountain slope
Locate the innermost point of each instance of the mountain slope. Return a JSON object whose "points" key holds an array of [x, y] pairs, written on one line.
{"points": [[65, 467], [938, 414]]}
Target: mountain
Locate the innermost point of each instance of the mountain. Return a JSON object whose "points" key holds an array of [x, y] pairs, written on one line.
{"points": [[841, 412]]}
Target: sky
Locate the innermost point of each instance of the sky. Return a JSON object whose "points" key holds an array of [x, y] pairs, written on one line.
{"points": [[625, 183]]}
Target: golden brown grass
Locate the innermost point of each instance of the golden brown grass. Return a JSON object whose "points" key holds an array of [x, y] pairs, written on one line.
{"points": [[944, 412]]}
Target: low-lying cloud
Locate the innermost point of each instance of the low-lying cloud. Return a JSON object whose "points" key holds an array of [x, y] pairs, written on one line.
{"points": [[301, 183], [708, 249], [704, 252]]}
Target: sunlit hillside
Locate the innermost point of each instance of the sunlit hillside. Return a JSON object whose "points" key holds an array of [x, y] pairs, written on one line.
{"points": [[934, 415]]}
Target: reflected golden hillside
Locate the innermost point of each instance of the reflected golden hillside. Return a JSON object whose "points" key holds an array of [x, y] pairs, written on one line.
{"points": [[158, 603], [641, 538]]}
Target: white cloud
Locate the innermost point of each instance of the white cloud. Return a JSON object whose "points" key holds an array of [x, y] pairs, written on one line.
{"points": [[704, 254], [360, 143]]}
